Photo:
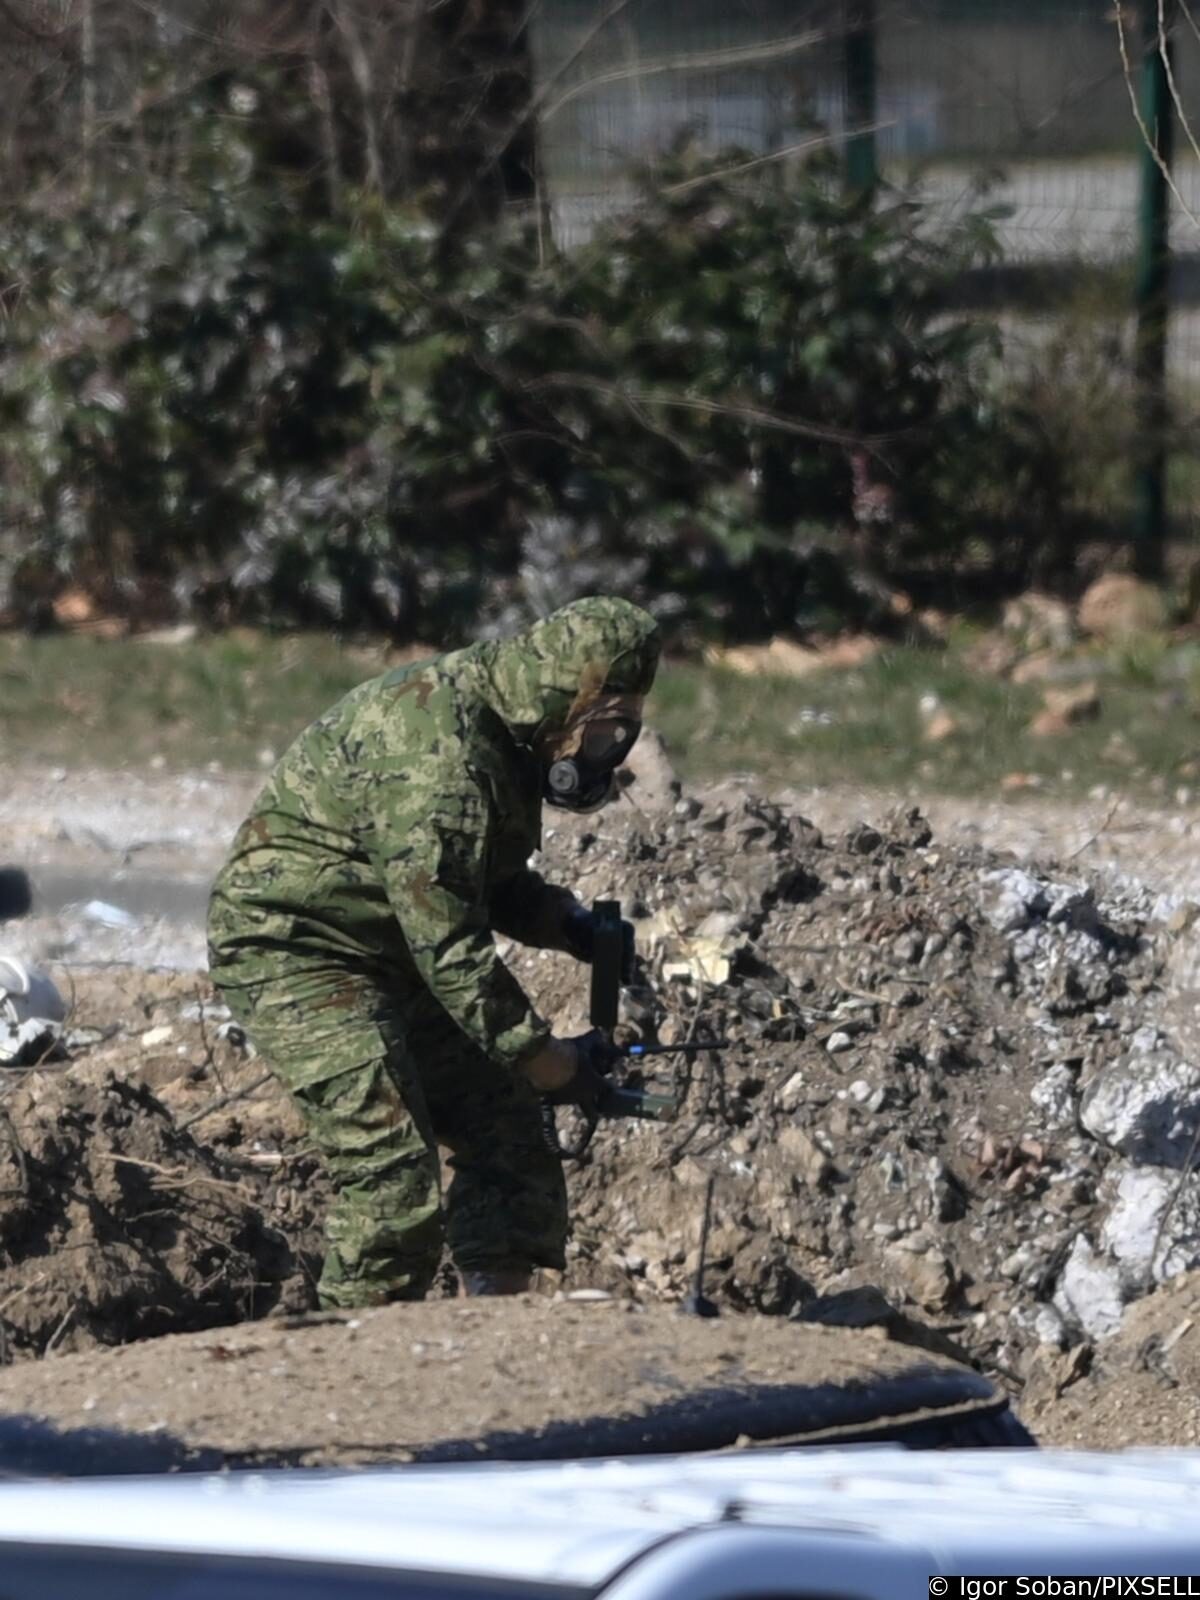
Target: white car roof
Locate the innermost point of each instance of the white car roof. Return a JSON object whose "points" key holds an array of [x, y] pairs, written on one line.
{"points": [[581, 1522]]}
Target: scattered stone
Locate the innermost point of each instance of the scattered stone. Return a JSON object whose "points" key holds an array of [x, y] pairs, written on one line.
{"points": [[1064, 708], [1039, 621], [1152, 1229], [805, 1157], [1117, 606], [942, 725], [1090, 1294], [1146, 1105]]}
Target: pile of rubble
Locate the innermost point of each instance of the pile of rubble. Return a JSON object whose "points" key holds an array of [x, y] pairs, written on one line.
{"points": [[117, 1224], [958, 1100], [951, 1078]]}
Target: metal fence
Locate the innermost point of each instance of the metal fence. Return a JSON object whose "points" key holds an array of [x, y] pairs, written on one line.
{"points": [[1037, 101], [1028, 95]]}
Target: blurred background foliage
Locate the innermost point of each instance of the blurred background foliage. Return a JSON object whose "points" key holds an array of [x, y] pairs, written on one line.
{"points": [[266, 357]]}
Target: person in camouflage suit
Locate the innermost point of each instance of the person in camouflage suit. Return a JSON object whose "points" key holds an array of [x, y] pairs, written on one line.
{"points": [[351, 934]]}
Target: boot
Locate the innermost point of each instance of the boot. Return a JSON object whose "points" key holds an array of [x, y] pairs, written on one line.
{"points": [[498, 1280]]}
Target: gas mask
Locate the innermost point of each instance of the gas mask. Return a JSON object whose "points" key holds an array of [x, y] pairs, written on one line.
{"points": [[585, 779]]}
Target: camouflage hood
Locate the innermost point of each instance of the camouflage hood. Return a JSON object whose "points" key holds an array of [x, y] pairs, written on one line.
{"points": [[534, 680]]}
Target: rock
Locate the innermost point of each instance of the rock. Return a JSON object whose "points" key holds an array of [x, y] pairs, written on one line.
{"points": [[793, 1094], [805, 1157], [863, 1307], [1146, 1106], [1054, 1095], [1063, 708], [993, 655], [1090, 1294], [940, 726], [1117, 605], [1013, 899], [1077, 704], [1017, 782], [1151, 1242], [866, 1306], [838, 1043], [1039, 621], [924, 1276]]}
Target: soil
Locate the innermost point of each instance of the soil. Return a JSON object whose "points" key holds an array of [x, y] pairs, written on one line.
{"points": [[1141, 1388], [440, 1379], [895, 1134]]}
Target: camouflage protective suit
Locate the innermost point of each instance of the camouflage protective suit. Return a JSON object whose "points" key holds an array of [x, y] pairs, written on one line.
{"points": [[350, 932]]}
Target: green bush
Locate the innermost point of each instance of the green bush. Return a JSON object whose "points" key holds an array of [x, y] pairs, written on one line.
{"points": [[743, 405]]}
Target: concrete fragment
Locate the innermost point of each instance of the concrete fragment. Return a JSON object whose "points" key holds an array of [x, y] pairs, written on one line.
{"points": [[1146, 1106], [1090, 1294], [1153, 1227]]}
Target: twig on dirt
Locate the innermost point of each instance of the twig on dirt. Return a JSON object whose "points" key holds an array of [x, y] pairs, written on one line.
{"points": [[1100, 831], [210, 1055], [225, 1100], [176, 1177], [61, 1331]]}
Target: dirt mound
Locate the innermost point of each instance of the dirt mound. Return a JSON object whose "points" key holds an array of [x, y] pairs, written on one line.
{"points": [[1140, 1388], [917, 1031], [959, 1103], [455, 1380], [116, 1225]]}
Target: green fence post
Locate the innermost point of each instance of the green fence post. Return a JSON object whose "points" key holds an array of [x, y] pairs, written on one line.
{"points": [[1150, 297], [862, 172]]}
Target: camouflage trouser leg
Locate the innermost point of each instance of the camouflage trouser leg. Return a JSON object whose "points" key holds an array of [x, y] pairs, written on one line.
{"points": [[381, 1082], [336, 1046], [506, 1204]]}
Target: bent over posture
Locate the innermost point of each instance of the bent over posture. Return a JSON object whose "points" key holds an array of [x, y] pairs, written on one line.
{"points": [[351, 933]]}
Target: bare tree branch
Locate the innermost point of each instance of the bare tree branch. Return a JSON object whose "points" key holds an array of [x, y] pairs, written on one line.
{"points": [[1165, 56], [1147, 137], [699, 61], [818, 142], [364, 81], [755, 416]]}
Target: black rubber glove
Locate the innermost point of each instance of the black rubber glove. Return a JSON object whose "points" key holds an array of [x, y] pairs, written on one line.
{"points": [[579, 938], [595, 1056]]}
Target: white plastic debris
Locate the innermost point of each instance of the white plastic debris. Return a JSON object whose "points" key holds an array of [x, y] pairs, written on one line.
{"points": [[32, 1012], [109, 916]]}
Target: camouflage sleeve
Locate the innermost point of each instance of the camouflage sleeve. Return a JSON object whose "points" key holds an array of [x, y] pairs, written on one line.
{"points": [[434, 867], [528, 909]]}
